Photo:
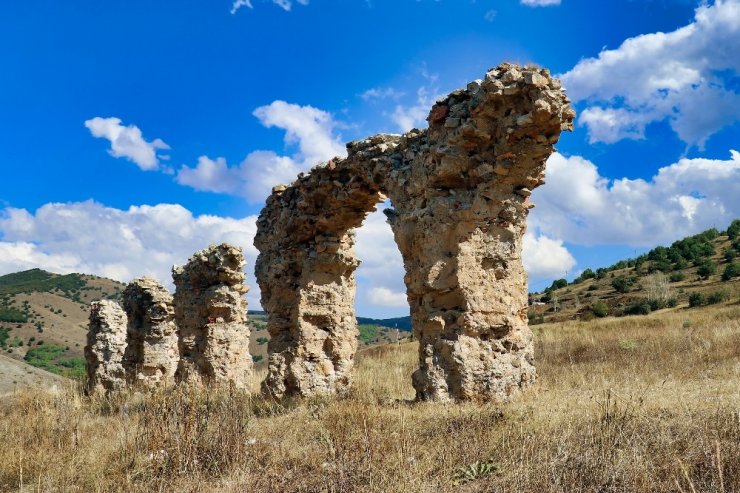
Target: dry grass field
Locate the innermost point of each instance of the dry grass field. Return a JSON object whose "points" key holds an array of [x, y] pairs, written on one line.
{"points": [[643, 404]]}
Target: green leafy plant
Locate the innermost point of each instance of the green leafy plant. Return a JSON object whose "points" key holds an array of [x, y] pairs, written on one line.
{"points": [[475, 471], [696, 299], [600, 309], [731, 271]]}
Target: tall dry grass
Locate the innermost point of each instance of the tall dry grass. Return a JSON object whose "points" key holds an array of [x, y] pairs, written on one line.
{"points": [[645, 404]]}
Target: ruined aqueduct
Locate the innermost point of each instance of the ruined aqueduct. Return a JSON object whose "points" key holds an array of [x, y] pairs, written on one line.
{"points": [[460, 195]]}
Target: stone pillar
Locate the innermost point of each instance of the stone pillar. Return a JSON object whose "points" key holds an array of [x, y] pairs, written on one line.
{"points": [[211, 316], [312, 323], [106, 341], [306, 272], [151, 354], [459, 221]]}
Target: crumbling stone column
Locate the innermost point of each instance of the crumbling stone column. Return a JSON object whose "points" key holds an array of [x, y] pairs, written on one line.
{"points": [[460, 192], [211, 316], [106, 341], [152, 354]]}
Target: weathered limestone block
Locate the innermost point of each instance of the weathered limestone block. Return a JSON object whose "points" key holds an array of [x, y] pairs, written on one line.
{"points": [[106, 341], [460, 193], [152, 354], [211, 315]]}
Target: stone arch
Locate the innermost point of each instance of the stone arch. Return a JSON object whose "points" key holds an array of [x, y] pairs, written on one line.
{"points": [[460, 191]]}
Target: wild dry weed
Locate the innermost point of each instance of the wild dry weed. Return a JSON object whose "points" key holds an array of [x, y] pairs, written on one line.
{"points": [[646, 404]]}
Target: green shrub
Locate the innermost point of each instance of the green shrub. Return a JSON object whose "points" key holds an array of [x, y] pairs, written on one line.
{"points": [[730, 255], [600, 309], [257, 357], [262, 340], [706, 269], [717, 297], [642, 308], [593, 287], [696, 299], [731, 271], [677, 277], [733, 231], [622, 284]]}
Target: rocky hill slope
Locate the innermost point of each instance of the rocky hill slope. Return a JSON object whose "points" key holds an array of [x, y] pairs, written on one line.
{"points": [[699, 270]]}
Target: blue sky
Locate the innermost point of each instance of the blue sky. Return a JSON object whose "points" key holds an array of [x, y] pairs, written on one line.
{"points": [[134, 133]]}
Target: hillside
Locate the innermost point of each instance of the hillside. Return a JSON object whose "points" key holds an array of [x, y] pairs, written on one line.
{"points": [[43, 317], [15, 375], [699, 270]]}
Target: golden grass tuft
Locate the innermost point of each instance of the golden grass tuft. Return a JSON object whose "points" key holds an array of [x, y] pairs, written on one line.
{"points": [[647, 404]]}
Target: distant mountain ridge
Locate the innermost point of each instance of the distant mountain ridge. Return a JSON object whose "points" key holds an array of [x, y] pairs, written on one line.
{"points": [[400, 323]]}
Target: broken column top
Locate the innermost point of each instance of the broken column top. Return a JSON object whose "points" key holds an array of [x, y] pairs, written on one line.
{"points": [[217, 264], [146, 292]]}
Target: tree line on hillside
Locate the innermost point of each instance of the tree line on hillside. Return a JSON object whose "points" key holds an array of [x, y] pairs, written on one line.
{"points": [[696, 250]]}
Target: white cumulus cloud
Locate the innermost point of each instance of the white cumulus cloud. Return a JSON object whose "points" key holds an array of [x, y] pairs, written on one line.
{"points": [[580, 206], [91, 238], [680, 76], [544, 257], [311, 130], [127, 141], [385, 297]]}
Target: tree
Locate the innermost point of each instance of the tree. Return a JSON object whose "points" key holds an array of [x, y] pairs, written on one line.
{"points": [[731, 271], [696, 299], [706, 269], [734, 230], [621, 284], [559, 283]]}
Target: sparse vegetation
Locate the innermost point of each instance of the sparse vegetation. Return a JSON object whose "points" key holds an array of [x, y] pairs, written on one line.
{"points": [[706, 268], [643, 404], [732, 270], [12, 315], [368, 333], [4, 335], [600, 309], [622, 284], [51, 357], [696, 299]]}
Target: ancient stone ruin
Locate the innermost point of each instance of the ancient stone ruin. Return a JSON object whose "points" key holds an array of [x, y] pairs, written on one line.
{"points": [[151, 354], [460, 194], [211, 314], [106, 343], [200, 335]]}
